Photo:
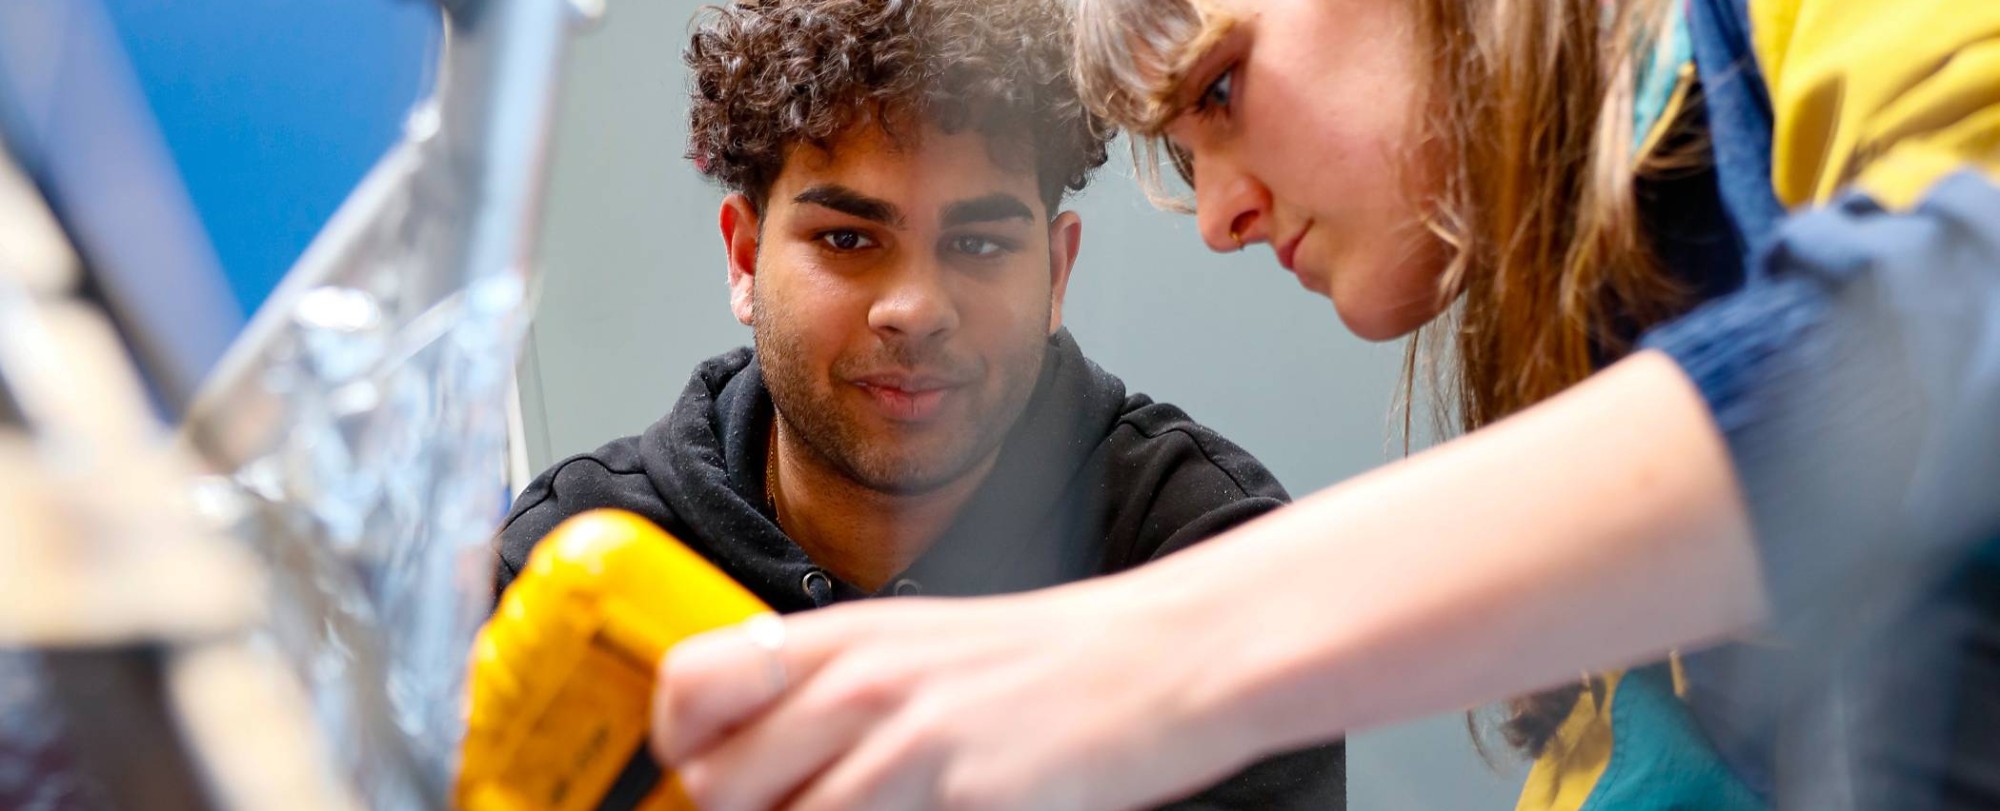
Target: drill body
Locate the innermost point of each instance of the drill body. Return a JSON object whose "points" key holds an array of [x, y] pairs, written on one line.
{"points": [[562, 674]]}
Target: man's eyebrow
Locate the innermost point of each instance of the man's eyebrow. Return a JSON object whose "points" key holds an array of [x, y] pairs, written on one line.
{"points": [[992, 207], [852, 203]]}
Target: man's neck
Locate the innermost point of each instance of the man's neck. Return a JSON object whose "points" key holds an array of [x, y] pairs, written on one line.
{"points": [[861, 535]]}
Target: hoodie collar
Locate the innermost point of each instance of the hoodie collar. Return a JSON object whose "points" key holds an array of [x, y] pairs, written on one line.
{"points": [[707, 459]]}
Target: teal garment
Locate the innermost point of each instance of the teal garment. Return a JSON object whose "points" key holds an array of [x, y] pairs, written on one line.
{"points": [[1658, 74], [1659, 759]]}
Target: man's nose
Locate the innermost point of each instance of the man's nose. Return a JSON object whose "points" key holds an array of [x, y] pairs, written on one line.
{"points": [[915, 303]]}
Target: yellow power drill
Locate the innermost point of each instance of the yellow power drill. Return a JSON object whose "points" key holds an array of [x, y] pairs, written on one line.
{"points": [[562, 675]]}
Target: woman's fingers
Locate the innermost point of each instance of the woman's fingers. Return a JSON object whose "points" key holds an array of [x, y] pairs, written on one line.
{"points": [[887, 771], [714, 681], [757, 765], [974, 706]]}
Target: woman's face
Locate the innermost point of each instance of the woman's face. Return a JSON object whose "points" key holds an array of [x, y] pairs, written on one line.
{"points": [[1303, 124]]}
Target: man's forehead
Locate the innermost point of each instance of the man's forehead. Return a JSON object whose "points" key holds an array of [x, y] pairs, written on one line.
{"points": [[925, 171]]}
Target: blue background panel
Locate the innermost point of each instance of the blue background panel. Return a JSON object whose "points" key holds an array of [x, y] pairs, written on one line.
{"points": [[275, 109]]}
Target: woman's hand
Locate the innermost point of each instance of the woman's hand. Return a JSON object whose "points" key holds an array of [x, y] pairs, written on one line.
{"points": [[1085, 697]]}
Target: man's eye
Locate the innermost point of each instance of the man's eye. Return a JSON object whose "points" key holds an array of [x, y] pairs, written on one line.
{"points": [[976, 246], [845, 240], [1216, 98]]}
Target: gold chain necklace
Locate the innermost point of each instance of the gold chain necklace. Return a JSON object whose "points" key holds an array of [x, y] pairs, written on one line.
{"points": [[771, 478]]}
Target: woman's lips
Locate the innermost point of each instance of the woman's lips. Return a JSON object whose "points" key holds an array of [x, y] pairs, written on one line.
{"points": [[1288, 257], [1289, 251]]}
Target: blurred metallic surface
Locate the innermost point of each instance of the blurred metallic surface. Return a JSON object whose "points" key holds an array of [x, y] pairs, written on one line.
{"points": [[113, 583], [360, 421], [353, 438]]}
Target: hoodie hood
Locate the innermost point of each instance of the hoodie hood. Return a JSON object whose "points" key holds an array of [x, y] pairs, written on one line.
{"points": [[1023, 526]]}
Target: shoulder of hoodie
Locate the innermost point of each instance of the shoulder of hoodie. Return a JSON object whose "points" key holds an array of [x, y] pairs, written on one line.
{"points": [[611, 477], [1145, 426], [1147, 431]]}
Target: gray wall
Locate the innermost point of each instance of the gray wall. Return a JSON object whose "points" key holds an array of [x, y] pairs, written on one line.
{"points": [[633, 297]]}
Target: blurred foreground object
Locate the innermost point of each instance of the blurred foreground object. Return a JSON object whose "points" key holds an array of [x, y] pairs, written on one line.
{"points": [[128, 673], [353, 435], [359, 424], [562, 676], [75, 122]]}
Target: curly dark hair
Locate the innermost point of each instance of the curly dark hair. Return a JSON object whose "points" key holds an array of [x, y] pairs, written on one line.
{"points": [[772, 74]]}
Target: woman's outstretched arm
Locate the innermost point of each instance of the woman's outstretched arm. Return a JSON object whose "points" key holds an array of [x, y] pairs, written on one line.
{"points": [[1600, 529]]}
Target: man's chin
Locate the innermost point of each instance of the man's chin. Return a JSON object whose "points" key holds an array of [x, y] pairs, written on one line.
{"points": [[911, 476]]}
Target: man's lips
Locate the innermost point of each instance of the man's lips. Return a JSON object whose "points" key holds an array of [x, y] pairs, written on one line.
{"points": [[909, 382], [907, 398]]}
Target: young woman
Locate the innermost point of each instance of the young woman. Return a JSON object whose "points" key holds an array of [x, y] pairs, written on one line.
{"points": [[1721, 285]]}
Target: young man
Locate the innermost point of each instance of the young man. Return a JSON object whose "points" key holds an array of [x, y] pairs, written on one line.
{"points": [[913, 418]]}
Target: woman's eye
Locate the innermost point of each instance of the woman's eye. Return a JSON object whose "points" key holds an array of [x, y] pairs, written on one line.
{"points": [[1216, 97], [845, 240]]}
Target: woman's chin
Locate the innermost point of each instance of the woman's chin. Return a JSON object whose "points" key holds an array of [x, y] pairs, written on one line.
{"points": [[1379, 324]]}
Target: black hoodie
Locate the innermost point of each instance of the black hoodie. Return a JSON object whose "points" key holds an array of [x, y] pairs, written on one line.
{"points": [[1089, 481]]}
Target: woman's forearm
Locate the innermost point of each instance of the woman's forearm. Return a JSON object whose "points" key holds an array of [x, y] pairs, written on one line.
{"points": [[1599, 529]]}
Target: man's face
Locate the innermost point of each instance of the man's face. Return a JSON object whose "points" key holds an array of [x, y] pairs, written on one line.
{"points": [[901, 296]]}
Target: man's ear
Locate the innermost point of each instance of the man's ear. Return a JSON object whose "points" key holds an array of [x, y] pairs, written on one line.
{"points": [[1065, 239], [739, 244]]}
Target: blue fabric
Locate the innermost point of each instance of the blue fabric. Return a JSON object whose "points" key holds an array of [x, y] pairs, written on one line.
{"points": [[1897, 312], [1739, 114], [1856, 376], [1852, 361]]}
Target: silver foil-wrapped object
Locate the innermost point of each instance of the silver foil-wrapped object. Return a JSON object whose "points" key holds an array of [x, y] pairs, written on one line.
{"points": [[358, 428]]}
